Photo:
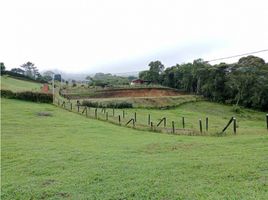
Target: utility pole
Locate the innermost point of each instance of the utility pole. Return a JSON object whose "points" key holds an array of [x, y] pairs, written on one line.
{"points": [[53, 89]]}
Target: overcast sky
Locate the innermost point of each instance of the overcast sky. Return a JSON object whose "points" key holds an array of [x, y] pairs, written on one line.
{"points": [[125, 35]]}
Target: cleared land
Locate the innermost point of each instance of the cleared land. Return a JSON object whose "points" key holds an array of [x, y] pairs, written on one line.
{"points": [[67, 156], [9, 83], [77, 93], [143, 97], [147, 102]]}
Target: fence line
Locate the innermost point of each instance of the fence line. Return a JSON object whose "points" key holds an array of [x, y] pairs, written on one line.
{"points": [[124, 120], [102, 114]]}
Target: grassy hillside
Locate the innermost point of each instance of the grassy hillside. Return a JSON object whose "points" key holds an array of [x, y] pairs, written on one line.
{"points": [[248, 121], [67, 156], [9, 83]]}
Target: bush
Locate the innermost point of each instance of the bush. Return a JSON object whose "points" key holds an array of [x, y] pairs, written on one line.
{"points": [[108, 105], [28, 96], [7, 94], [236, 109], [120, 105], [90, 104]]}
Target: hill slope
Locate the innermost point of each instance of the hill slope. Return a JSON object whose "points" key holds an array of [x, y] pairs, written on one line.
{"points": [[69, 156], [9, 83]]}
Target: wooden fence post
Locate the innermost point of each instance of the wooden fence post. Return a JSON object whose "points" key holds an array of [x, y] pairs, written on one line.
{"points": [[131, 120], [96, 113], [173, 127], [200, 125], [149, 119], [77, 108], [163, 119], [206, 123], [183, 122], [113, 112], [165, 122], [234, 125], [230, 121], [267, 121], [135, 117], [86, 110], [71, 106], [123, 114], [119, 119], [151, 125]]}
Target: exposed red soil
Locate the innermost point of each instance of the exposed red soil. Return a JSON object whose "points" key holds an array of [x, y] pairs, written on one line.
{"points": [[139, 92], [45, 88]]}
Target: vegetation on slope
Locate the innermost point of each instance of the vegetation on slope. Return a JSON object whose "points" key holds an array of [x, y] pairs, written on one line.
{"points": [[13, 84], [101, 79], [243, 83]]}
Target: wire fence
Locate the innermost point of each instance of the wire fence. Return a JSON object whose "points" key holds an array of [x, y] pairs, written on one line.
{"points": [[129, 118]]}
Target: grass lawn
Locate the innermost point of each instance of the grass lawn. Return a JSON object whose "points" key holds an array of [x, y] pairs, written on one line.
{"points": [[68, 156], [9, 83]]}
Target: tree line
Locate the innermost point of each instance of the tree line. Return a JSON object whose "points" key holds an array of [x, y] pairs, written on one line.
{"points": [[29, 71], [103, 80], [244, 83]]}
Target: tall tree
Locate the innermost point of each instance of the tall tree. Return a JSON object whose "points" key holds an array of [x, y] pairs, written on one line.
{"points": [[48, 75], [251, 61], [156, 68], [30, 69]]}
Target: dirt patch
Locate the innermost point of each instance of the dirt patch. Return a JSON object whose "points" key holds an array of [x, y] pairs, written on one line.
{"points": [[64, 194], [44, 114], [117, 93], [158, 148], [48, 182]]}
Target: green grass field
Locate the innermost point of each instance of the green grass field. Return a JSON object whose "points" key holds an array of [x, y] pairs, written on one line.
{"points": [[68, 156], [9, 83]]}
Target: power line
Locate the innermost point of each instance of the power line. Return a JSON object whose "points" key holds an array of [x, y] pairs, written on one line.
{"points": [[239, 55], [216, 59]]}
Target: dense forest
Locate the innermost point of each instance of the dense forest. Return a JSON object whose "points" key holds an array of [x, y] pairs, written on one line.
{"points": [[244, 83]]}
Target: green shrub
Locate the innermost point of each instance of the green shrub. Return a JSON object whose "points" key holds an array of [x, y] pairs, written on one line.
{"points": [[236, 109], [108, 105], [28, 96], [90, 104], [7, 94], [119, 105]]}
